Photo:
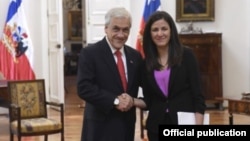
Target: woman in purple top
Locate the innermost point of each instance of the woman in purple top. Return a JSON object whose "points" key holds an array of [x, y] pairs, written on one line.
{"points": [[170, 78]]}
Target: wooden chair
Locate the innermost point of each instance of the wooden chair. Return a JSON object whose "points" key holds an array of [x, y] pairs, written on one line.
{"points": [[28, 110]]}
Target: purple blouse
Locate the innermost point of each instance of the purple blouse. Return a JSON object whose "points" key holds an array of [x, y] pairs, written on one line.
{"points": [[162, 79]]}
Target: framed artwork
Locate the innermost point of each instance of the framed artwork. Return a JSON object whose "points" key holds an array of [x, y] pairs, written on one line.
{"points": [[194, 10], [75, 25]]}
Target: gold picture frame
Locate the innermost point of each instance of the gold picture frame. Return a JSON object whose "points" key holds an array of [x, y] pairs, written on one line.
{"points": [[75, 25], [194, 10]]}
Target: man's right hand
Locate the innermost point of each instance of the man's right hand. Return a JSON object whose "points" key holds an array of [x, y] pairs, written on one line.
{"points": [[125, 102]]}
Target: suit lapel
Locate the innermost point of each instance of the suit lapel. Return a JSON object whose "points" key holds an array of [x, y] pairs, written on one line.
{"points": [[108, 58], [130, 66], [172, 78], [155, 85]]}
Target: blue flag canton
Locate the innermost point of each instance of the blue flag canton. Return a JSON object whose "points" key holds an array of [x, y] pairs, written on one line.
{"points": [[150, 7], [13, 7]]}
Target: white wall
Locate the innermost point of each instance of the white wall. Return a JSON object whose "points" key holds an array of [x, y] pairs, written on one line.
{"points": [[3, 14], [233, 24]]}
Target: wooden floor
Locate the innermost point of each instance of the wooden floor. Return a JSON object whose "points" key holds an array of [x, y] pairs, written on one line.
{"points": [[74, 115]]}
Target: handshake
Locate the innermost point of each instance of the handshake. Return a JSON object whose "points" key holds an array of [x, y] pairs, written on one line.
{"points": [[124, 102]]}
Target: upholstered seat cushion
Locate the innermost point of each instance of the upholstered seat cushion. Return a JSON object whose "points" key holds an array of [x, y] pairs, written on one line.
{"points": [[37, 125]]}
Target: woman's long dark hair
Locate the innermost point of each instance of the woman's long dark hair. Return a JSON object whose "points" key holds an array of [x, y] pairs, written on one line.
{"points": [[175, 49]]}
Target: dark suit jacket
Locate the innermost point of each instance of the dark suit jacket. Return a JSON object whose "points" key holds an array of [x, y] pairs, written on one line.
{"points": [[99, 84], [185, 92]]}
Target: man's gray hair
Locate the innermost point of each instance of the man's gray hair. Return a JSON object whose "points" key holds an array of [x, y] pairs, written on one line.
{"points": [[118, 12]]}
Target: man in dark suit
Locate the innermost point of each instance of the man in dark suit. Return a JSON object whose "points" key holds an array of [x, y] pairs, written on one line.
{"points": [[109, 112]]}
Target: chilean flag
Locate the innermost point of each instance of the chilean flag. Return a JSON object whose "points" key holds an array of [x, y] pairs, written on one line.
{"points": [[16, 50], [150, 7]]}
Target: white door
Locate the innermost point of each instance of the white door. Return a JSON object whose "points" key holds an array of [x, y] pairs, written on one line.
{"points": [[95, 12], [56, 77]]}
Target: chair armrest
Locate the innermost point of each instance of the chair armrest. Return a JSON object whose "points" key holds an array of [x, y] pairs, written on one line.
{"points": [[61, 105], [54, 103]]}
